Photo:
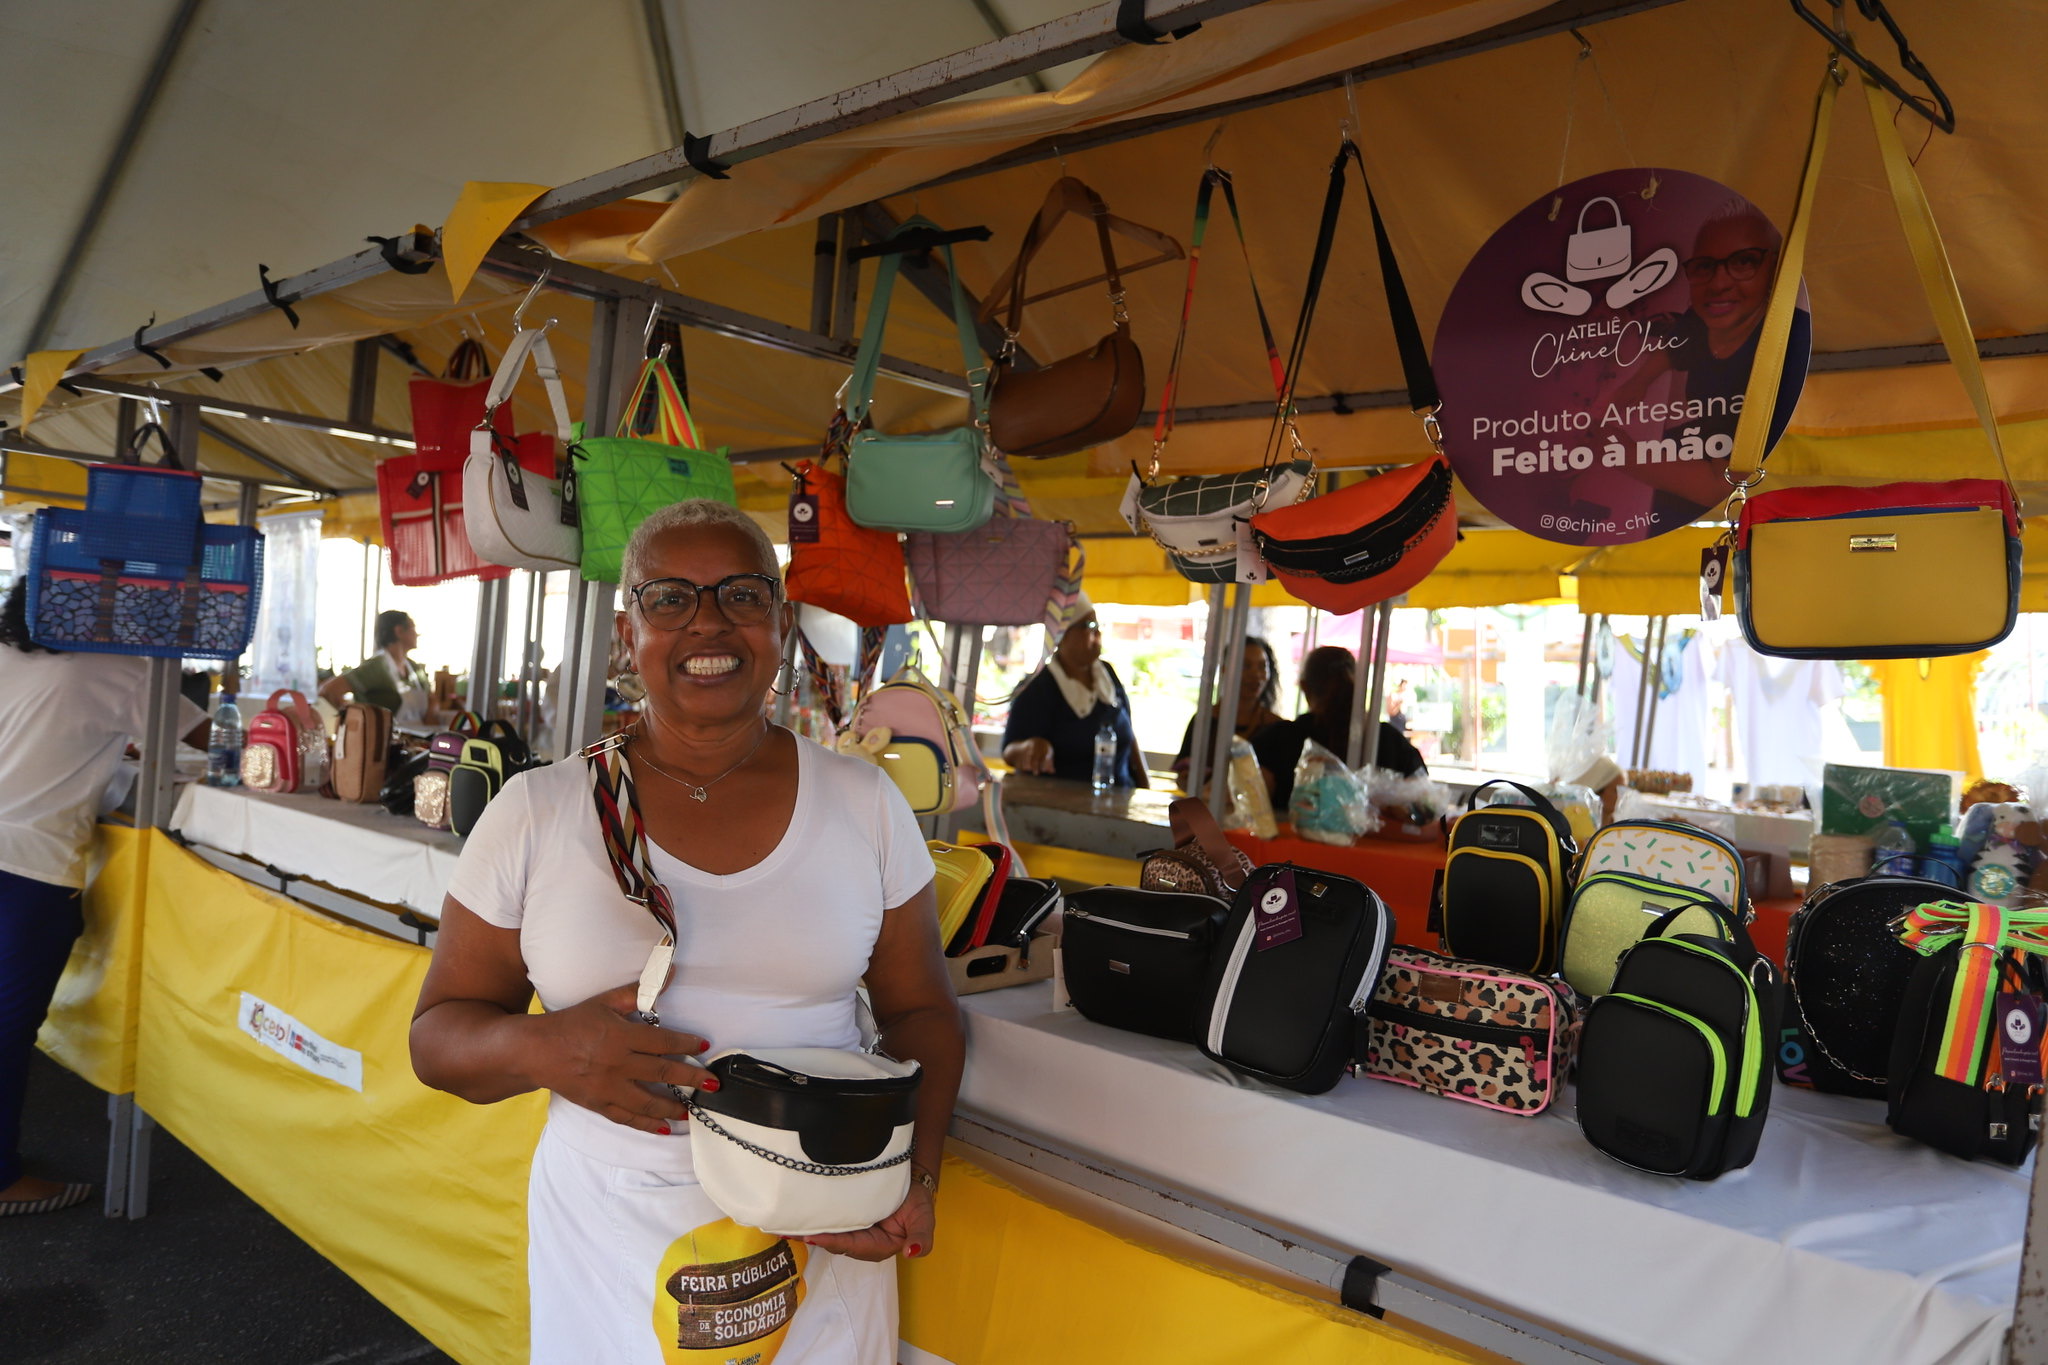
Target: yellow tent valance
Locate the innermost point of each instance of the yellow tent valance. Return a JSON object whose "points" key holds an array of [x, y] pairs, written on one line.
{"points": [[1658, 577], [1496, 567]]}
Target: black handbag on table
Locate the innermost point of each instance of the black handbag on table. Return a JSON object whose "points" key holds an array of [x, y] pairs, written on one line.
{"points": [[1139, 960], [1281, 1008], [1025, 903]]}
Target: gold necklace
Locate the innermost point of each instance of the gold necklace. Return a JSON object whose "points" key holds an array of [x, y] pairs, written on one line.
{"points": [[703, 793]]}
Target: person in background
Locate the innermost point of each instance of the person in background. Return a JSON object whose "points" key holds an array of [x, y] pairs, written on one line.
{"points": [[65, 721], [1328, 677], [1059, 710], [1397, 705], [1257, 722], [390, 678]]}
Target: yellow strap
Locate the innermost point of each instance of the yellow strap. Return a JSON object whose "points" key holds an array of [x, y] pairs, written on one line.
{"points": [[1937, 280], [1760, 398]]}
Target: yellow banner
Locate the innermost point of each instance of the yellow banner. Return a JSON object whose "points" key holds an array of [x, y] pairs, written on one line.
{"points": [[1014, 1282], [91, 1024], [260, 1019]]}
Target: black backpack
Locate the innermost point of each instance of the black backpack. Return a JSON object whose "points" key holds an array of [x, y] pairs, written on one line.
{"points": [[1285, 1013], [1674, 1071], [1506, 884], [1847, 972], [1986, 1116]]}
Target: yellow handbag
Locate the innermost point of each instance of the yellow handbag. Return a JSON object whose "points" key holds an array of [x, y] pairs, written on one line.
{"points": [[961, 874], [1899, 571]]}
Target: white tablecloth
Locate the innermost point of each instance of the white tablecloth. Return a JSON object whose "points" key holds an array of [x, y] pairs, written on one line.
{"points": [[363, 849], [1841, 1242]]}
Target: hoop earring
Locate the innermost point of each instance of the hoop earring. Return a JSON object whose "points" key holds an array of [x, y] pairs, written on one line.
{"points": [[788, 671], [631, 686]]}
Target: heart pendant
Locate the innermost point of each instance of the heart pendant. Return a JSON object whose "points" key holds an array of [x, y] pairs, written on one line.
{"points": [[700, 794]]}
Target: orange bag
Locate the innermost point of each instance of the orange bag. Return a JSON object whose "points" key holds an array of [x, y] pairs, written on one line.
{"points": [[854, 571], [1364, 544]]}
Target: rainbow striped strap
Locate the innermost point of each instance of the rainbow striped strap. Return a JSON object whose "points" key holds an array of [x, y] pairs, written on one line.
{"points": [[1983, 934]]}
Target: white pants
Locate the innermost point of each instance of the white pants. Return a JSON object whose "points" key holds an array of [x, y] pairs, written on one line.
{"points": [[633, 1267]]}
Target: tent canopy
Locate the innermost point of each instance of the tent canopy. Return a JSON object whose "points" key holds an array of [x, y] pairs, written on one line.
{"points": [[1719, 87]]}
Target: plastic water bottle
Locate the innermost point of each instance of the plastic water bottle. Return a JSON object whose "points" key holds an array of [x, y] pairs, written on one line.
{"points": [[1944, 860], [1105, 757], [1894, 854], [224, 745]]}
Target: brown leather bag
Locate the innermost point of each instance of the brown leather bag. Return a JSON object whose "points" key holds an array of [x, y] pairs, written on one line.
{"points": [[362, 747], [1201, 859], [1086, 398]]}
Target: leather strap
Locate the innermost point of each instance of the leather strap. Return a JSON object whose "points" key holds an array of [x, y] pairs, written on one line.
{"points": [[468, 363], [301, 714], [1212, 178], [530, 341], [1049, 215], [1930, 259], [1189, 819], [1732, 922], [1415, 367], [860, 389]]}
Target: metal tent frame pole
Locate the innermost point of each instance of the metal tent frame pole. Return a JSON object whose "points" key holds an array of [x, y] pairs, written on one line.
{"points": [[1382, 638], [1368, 650], [1205, 689], [615, 330], [1654, 670], [1230, 662]]}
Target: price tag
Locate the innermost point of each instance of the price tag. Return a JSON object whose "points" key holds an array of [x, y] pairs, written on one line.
{"points": [[2018, 1017], [803, 518], [1251, 566], [1713, 574], [1278, 911]]}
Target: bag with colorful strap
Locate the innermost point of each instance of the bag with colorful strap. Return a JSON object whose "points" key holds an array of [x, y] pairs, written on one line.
{"points": [[835, 564], [1375, 539], [622, 479], [927, 481], [512, 515], [1080, 400], [1005, 572], [1966, 1062], [1899, 571], [1202, 521]]}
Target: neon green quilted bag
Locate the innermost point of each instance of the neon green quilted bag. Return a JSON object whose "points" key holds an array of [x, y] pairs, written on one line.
{"points": [[621, 479]]}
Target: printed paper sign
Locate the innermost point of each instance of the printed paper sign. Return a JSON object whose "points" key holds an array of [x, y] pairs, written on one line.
{"points": [[1593, 355], [289, 1038]]}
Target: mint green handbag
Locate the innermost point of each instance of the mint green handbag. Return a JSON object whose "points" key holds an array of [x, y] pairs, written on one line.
{"points": [[931, 481], [622, 479]]}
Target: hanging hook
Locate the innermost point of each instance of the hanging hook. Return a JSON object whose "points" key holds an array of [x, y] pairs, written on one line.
{"points": [[1061, 157], [519, 313], [647, 332], [155, 403], [1840, 41], [1209, 147], [1347, 127]]}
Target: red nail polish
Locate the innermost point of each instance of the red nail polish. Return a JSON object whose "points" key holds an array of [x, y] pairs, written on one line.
{"points": [[704, 1045], [913, 1249], [663, 1130], [708, 1083]]}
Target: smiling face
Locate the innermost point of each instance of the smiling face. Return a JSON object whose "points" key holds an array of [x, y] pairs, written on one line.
{"points": [[712, 671], [1732, 308]]}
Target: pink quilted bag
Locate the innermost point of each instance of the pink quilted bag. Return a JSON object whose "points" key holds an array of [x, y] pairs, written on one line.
{"points": [[1001, 573]]}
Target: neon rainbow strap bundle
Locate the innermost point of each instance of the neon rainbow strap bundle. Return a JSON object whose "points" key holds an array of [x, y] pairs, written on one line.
{"points": [[1930, 928]]}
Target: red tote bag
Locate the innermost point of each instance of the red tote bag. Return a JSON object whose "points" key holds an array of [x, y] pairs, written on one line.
{"points": [[446, 410], [420, 507]]}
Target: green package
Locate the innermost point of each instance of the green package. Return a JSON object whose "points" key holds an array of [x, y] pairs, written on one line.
{"points": [[1856, 800]]}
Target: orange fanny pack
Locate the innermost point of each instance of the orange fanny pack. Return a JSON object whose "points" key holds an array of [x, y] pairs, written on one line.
{"points": [[1364, 544]]}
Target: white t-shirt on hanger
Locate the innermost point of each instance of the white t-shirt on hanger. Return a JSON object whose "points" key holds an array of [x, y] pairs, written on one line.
{"points": [[1778, 713]]}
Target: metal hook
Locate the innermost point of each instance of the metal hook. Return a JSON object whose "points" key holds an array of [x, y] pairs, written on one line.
{"points": [[1840, 41], [1061, 156], [155, 404], [1347, 127], [519, 313], [1209, 148], [647, 332]]}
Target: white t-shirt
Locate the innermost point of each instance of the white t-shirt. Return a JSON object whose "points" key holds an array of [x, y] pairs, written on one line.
{"points": [[65, 720], [768, 957]]}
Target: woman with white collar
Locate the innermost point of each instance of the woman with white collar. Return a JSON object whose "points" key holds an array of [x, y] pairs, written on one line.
{"points": [[390, 678], [1058, 712]]}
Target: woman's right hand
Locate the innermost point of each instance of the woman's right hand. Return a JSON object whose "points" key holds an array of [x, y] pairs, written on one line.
{"points": [[1030, 755], [598, 1055]]}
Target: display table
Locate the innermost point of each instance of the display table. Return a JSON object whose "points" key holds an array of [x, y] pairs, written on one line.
{"points": [[364, 850], [1840, 1243]]}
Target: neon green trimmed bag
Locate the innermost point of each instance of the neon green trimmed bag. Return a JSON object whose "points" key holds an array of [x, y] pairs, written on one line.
{"points": [[621, 479]]}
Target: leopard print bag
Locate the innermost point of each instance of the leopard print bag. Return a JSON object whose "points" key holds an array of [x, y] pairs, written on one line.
{"points": [[1469, 1031]]}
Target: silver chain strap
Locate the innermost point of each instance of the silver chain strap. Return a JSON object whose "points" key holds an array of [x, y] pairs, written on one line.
{"points": [[1806, 1027], [699, 1115]]}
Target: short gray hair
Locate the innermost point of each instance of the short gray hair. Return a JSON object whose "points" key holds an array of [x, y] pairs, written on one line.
{"points": [[693, 512]]}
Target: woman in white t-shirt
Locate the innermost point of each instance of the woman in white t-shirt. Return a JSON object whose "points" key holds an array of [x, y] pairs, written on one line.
{"points": [[65, 721], [795, 873]]}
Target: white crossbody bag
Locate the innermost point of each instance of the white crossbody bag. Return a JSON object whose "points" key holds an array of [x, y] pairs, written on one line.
{"points": [[514, 516]]}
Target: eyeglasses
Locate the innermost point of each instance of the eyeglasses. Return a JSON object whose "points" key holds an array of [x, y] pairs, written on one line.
{"points": [[1741, 265], [745, 599]]}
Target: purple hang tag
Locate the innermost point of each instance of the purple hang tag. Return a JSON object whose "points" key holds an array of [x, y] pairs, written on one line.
{"points": [[803, 518], [2017, 1017], [1713, 577], [1278, 912]]}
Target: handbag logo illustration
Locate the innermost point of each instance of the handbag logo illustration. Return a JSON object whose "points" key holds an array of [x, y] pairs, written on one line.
{"points": [[727, 1286], [1599, 253]]}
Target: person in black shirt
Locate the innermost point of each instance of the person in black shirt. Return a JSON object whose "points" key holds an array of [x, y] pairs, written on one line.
{"points": [[1057, 713], [1258, 688], [1328, 676]]}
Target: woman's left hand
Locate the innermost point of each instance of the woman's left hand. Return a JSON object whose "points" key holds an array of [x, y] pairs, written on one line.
{"points": [[907, 1232]]}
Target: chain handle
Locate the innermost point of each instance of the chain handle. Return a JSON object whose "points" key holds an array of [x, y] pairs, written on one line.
{"points": [[698, 1114]]}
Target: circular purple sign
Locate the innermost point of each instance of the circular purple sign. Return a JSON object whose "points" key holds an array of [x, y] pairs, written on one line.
{"points": [[1593, 355]]}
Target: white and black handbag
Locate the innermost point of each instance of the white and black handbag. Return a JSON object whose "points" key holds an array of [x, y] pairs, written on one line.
{"points": [[795, 1141], [515, 517]]}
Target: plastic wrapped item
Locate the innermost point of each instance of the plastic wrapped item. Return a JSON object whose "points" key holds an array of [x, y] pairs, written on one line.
{"points": [[1862, 800], [1250, 806], [1574, 740], [1407, 807], [1580, 805], [1329, 804]]}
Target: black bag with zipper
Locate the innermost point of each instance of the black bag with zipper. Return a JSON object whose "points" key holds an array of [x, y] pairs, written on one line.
{"points": [[490, 759], [1139, 960], [1674, 1063], [1301, 955], [1847, 974], [1507, 881]]}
